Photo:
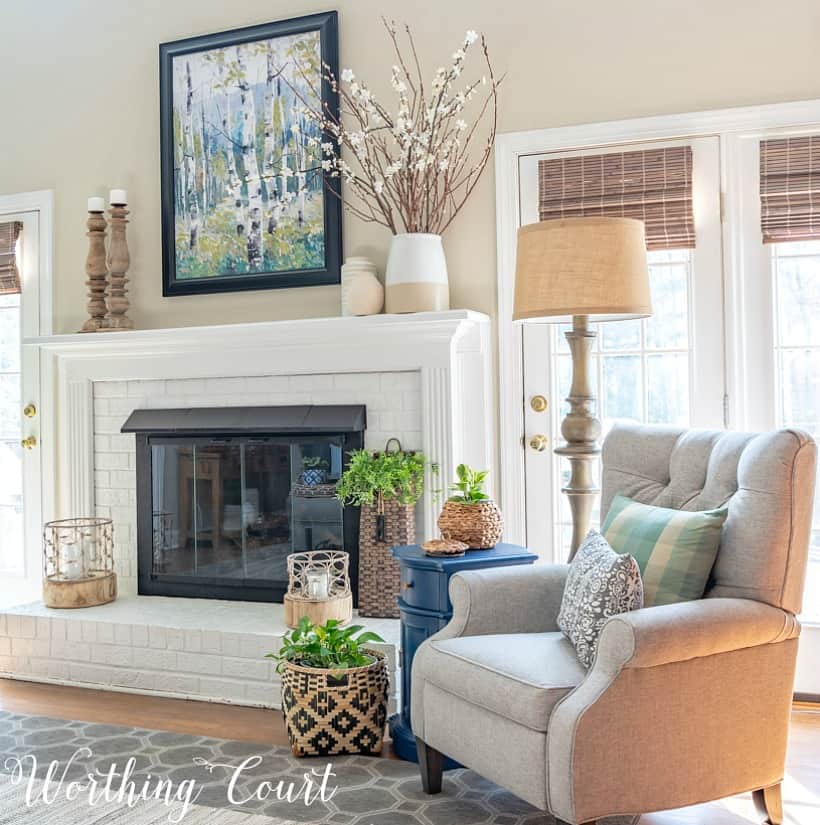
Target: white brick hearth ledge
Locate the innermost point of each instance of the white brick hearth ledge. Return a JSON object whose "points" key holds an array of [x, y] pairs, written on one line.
{"points": [[201, 649], [425, 378]]}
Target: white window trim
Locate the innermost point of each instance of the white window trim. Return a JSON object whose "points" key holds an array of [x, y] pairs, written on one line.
{"points": [[733, 126]]}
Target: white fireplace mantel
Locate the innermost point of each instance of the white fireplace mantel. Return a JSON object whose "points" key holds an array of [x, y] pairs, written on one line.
{"points": [[451, 351]]}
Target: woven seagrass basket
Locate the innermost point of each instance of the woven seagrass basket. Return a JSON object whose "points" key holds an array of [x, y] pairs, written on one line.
{"points": [[379, 572], [480, 526], [332, 712]]}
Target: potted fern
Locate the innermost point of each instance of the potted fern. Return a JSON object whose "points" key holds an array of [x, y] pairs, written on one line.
{"points": [[470, 515], [386, 485], [318, 661]]}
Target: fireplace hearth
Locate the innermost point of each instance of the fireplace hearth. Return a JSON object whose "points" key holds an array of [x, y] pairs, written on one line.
{"points": [[225, 494]]}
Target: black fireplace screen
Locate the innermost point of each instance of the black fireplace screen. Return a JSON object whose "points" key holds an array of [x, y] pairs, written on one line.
{"points": [[218, 514]]}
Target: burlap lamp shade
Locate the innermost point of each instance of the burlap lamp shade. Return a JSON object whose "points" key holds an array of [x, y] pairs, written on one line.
{"points": [[581, 266]]}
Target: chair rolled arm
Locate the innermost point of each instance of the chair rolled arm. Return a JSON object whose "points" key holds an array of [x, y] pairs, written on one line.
{"points": [[688, 630], [521, 599]]}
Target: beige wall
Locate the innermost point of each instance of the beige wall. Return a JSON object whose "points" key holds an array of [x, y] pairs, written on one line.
{"points": [[79, 101]]}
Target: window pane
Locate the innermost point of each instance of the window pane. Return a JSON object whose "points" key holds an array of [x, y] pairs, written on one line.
{"points": [[668, 327], [621, 335], [9, 339], [623, 394], [798, 301], [560, 338], [11, 504], [800, 394], [667, 379], [10, 405], [564, 373]]}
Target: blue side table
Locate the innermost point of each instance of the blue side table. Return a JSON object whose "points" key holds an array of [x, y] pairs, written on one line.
{"points": [[424, 605]]}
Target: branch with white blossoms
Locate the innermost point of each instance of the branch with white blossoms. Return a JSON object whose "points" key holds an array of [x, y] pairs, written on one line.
{"points": [[411, 168]]}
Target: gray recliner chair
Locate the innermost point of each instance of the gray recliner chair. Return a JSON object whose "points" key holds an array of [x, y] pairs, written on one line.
{"points": [[684, 703]]}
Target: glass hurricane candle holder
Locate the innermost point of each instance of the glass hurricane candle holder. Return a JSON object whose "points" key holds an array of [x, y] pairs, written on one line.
{"points": [[78, 562], [318, 587]]}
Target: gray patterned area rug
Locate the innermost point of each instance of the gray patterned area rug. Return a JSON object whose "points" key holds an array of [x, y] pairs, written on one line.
{"points": [[190, 779]]}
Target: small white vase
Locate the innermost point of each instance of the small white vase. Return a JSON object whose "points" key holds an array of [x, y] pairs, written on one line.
{"points": [[362, 291], [416, 276]]}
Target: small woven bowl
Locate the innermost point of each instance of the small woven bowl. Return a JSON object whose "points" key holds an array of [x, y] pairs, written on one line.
{"points": [[444, 547]]}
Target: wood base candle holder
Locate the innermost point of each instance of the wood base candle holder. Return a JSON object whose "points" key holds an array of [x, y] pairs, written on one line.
{"points": [[119, 260], [318, 587], [97, 271]]}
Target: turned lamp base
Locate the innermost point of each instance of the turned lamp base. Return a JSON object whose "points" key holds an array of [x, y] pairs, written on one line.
{"points": [[581, 429]]}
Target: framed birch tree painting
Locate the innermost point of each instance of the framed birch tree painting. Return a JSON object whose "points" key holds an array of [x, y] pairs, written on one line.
{"points": [[245, 204]]}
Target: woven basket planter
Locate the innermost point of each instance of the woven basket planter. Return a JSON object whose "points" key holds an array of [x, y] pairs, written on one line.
{"points": [[379, 572], [480, 526], [332, 712]]}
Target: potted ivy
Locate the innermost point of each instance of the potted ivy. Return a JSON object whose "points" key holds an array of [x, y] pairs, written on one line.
{"points": [[470, 515], [386, 486], [318, 661]]}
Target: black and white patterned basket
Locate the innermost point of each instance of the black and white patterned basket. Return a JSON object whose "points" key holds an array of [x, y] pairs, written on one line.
{"points": [[331, 712]]}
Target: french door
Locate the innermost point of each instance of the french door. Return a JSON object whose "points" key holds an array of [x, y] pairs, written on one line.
{"points": [[20, 472], [665, 369]]}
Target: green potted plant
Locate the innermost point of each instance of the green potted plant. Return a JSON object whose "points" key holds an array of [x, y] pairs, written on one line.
{"points": [[314, 470], [470, 515], [316, 661], [386, 485]]}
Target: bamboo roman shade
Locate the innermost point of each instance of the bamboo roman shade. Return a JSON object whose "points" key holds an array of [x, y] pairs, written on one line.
{"points": [[652, 185], [790, 189], [9, 274]]}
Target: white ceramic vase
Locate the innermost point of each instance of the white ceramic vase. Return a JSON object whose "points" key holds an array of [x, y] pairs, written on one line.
{"points": [[362, 291], [416, 276]]}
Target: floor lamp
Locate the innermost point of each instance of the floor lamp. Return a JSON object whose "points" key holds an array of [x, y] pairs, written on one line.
{"points": [[585, 270]]}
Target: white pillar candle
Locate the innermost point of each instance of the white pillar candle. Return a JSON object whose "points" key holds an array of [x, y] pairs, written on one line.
{"points": [[96, 204], [71, 559], [118, 197], [318, 584]]}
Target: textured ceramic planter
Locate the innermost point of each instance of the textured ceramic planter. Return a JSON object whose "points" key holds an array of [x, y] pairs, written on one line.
{"points": [[480, 526], [362, 291], [416, 276]]}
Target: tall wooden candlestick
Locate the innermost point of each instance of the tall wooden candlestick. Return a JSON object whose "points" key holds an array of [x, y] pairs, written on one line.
{"points": [[118, 263], [97, 271]]}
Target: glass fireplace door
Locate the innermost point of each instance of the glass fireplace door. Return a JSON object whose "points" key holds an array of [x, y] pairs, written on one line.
{"points": [[227, 512]]}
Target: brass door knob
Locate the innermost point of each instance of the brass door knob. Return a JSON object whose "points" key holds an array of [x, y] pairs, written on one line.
{"points": [[29, 411], [538, 403], [539, 443], [29, 443]]}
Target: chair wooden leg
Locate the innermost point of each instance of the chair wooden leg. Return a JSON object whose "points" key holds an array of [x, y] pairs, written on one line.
{"points": [[431, 764], [769, 804]]}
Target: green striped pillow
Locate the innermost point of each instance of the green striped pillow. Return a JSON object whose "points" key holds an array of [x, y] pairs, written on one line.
{"points": [[675, 549]]}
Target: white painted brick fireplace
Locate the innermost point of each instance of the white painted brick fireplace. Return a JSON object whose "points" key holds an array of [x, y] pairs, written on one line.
{"points": [[424, 378], [393, 401]]}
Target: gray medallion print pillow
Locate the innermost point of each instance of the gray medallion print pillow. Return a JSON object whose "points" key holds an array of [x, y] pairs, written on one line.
{"points": [[601, 583]]}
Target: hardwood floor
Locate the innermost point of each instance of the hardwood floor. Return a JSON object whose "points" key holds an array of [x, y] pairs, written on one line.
{"points": [[801, 791]]}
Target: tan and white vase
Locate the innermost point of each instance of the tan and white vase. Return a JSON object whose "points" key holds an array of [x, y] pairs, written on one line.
{"points": [[416, 276], [362, 291]]}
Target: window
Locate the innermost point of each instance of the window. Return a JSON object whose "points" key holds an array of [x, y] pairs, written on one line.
{"points": [[665, 369], [795, 271], [11, 472]]}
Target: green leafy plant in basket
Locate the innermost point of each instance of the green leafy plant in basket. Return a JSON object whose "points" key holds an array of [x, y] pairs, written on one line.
{"points": [[328, 647], [470, 515], [387, 475], [315, 660]]}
